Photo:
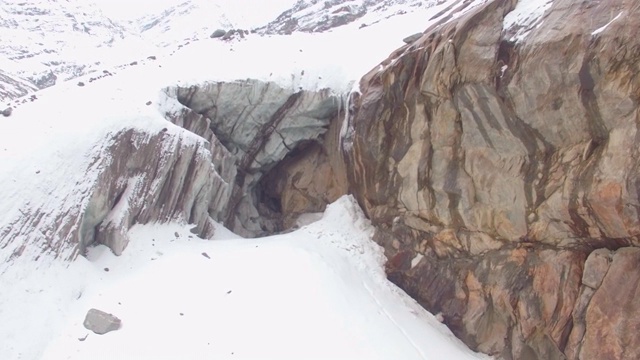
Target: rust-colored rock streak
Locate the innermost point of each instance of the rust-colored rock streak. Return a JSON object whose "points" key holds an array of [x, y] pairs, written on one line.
{"points": [[494, 169]]}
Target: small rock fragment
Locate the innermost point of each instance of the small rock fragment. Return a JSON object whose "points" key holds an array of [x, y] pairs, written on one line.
{"points": [[101, 322], [206, 255]]}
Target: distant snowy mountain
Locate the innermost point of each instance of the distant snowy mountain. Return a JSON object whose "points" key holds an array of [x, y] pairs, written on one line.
{"points": [[197, 19], [44, 42], [319, 16], [12, 86], [47, 41]]}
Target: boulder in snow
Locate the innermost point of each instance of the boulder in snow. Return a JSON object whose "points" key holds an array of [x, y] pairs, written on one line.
{"points": [[7, 112], [101, 322], [218, 33]]}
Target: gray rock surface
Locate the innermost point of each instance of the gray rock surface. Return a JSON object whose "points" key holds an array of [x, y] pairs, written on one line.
{"points": [[218, 33], [505, 165], [411, 38], [12, 86], [141, 178], [258, 124], [101, 322]]}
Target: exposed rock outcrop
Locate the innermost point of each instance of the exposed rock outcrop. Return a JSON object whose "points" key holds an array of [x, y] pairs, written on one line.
{"points": [[307, 179], [237, 133], [140, 178], [101, 322], [12, 86], [494, 168], [218, 33], [258, 123], [152, 179], [499, 165]]}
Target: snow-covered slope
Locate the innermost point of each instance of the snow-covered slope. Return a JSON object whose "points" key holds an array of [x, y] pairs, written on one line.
{"points": [[317, 293], [47, 41], [41, 189], [44, 42], [11, 86]]}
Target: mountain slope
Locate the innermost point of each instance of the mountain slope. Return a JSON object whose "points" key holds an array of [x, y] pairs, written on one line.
{"points": [[48, 41], [494, 152], [316, 293], [86, 161]]}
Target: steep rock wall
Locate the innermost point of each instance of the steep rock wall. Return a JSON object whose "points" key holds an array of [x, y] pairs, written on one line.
{"points": [[259, 124], [493, 169], [236, 132], [133, 177]]}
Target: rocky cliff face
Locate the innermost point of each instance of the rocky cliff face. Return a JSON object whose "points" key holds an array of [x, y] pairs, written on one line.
{"points": [[139, 178], [497, 159], [498, 163], [259, 124]]}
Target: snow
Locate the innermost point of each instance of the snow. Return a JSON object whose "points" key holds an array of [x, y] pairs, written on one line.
{"points": [[50, 146], [115, 34], [317, 293], [234, 12], [525, 17], [335, 59], [601, 29]]}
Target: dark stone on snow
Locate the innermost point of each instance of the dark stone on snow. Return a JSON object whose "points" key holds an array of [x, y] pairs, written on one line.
{"points": [[218, 34]]}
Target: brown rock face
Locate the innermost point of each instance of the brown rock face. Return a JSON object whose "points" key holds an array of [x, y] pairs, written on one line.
{"points": [[494, 168], [141, 178], [306, 180], [237, 132]]}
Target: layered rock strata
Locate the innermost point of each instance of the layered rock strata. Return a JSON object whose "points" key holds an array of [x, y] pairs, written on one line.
{"points": [[259, 124], [494, 170], [140, 178]]}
